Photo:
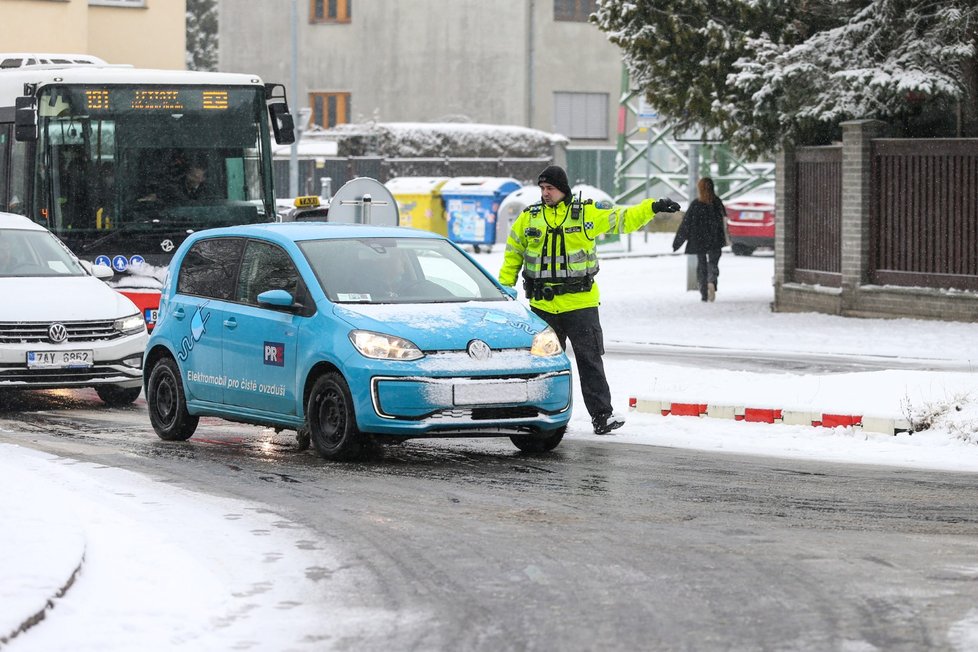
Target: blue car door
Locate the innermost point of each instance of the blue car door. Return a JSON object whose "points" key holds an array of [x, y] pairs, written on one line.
{"points": [[260, 340], [196, 311]]}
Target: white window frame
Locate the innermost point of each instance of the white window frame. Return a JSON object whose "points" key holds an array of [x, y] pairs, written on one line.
{"points": [[132, 4], [580, 115]]}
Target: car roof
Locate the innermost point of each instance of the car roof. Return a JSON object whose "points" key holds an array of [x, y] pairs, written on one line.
{"points": [[300, 231], [14, 221]]}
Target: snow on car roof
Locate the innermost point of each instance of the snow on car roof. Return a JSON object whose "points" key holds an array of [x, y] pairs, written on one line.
{"points": [[299, 231], [12, 80], [14, 221]]}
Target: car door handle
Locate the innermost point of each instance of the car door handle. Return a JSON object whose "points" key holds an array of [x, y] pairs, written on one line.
{"points": [[178, 313], [231, 323]]}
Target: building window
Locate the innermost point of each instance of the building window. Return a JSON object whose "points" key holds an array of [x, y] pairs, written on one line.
{"points": [[581, 115], [329, 109], [118, 3], [330, 11], [574, 10]]}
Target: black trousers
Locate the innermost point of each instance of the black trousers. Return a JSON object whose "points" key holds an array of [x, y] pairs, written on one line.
{"points": [[583, 328], [708, 269]]}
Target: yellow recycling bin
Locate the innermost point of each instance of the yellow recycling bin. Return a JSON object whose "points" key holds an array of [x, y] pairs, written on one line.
{"points": [[419, 202]]}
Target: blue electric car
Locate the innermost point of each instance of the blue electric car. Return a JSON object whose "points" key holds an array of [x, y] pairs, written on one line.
{"points": [[351, 335]]}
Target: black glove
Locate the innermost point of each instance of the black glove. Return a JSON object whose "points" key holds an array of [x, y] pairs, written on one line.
{"points": [[664, 205]]}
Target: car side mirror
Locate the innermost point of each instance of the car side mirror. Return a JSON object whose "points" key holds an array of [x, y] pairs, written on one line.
{"points": [[511, 291], [101, 272], [278, 299], [25, 118]]}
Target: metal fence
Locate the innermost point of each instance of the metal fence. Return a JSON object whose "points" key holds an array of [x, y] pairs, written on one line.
{"points": [[924, 213], [818, 245]]}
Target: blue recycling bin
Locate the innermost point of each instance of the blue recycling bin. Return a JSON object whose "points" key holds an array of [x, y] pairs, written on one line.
{"points": [[472, 205]]}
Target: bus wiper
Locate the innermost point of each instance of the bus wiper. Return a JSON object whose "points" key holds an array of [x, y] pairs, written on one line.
{"points": [[128, 229]]}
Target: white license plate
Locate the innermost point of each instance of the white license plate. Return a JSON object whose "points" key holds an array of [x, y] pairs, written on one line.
{"points": [[59, 359], [486, 393], [752, 215], [151, 315]]}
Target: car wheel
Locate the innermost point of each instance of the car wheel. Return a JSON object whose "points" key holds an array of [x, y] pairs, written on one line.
{"points": [[739, 249], [167, 402], [539, 443], [332, 420], [117, 396]]}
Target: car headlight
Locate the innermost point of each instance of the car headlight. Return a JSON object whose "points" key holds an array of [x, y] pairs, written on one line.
{"points": [[130, 324], [384, 347], [545, 343]]}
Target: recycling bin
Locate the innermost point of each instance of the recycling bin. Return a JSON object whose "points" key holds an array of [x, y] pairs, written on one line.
{"points": [[420, 203], [472, 205]]}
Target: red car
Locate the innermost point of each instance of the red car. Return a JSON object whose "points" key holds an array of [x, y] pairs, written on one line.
{"points": [[750, 220]]}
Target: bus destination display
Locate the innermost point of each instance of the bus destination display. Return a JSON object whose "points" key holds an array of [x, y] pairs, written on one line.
{"points": [[156, 99]]}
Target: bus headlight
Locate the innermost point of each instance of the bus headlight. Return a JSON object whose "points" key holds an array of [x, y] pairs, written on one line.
{"points": [[545, 344], [130, 324], [384, 347]]}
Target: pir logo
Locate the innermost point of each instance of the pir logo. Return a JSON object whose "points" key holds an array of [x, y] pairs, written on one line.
{"points": [[275, 354], [198, 326]]}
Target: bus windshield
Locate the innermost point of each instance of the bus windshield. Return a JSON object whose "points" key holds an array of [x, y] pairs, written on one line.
{"points": [[128, 159]]}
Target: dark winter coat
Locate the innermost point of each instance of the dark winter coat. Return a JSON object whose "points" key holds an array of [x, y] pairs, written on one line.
{"points": [[702, 228]]}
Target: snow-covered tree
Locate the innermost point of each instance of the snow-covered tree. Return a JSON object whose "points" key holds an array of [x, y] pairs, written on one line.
{"points": [[201, 34], [762, 71]]}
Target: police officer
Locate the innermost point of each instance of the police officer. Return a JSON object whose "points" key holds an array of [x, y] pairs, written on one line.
{"points": [[553, 241]]}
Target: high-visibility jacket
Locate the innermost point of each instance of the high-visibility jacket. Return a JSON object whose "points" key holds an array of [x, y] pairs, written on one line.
{"points": [[555, 247]]}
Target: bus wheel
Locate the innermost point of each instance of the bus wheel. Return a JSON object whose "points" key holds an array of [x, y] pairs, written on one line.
{"points": [[332, 420], [167, 402]]}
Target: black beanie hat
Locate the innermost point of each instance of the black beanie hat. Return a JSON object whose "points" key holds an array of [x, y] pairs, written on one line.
{"points": [[556, 177]]}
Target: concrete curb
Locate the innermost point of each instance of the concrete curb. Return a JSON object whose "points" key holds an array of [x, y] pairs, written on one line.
{"points": [[880, 424]]}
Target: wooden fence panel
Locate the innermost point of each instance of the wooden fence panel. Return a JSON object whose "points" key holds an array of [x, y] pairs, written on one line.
{"points": [[818, 228], [924, 213]]}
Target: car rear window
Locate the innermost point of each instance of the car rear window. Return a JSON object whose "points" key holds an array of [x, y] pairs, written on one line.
{"points": [[210, 267]]}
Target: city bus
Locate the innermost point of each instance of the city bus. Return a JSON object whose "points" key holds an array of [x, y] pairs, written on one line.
{"points": [[123, 164]]}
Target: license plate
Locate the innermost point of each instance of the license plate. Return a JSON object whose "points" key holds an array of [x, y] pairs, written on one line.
{"points": [[59, 359], [752, 215], [151, 315], [486, 393]]}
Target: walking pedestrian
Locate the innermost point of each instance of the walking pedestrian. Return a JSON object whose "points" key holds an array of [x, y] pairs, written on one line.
{"points": [[553, 242], [704, 231]]}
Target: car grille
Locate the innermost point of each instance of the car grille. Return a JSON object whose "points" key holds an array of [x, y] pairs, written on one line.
{"points": [[12, 332], [486, 413], [62, 377]]}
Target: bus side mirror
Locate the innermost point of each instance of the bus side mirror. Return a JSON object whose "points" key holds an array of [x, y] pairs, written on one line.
{"points": [[25, 118], [282, 123]]}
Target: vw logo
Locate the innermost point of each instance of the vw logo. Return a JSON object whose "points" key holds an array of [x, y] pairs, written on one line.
{"points": [[479, 350], [167, 245], [57, 333]]}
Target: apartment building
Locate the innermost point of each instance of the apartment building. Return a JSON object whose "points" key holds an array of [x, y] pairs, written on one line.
{"points": [[144, 33], [532, 63]]}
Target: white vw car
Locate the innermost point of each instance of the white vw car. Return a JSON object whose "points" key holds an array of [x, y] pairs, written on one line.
{"points": [[60, 325]]}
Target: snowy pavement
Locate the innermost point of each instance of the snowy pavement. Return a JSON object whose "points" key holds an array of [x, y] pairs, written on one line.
{"points": [[132, 545]]}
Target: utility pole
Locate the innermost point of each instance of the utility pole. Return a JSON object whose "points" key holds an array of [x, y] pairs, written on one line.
{"points": [[294, 152]]}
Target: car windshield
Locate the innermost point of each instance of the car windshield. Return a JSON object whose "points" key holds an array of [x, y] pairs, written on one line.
{"points": [[35, 253], [397, 270]]}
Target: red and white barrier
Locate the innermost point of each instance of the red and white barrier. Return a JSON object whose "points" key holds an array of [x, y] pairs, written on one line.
{"points": [[885, 425]]}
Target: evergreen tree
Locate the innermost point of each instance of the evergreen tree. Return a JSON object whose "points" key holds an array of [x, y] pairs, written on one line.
{"points": [[202, 35], [762, 71]]}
